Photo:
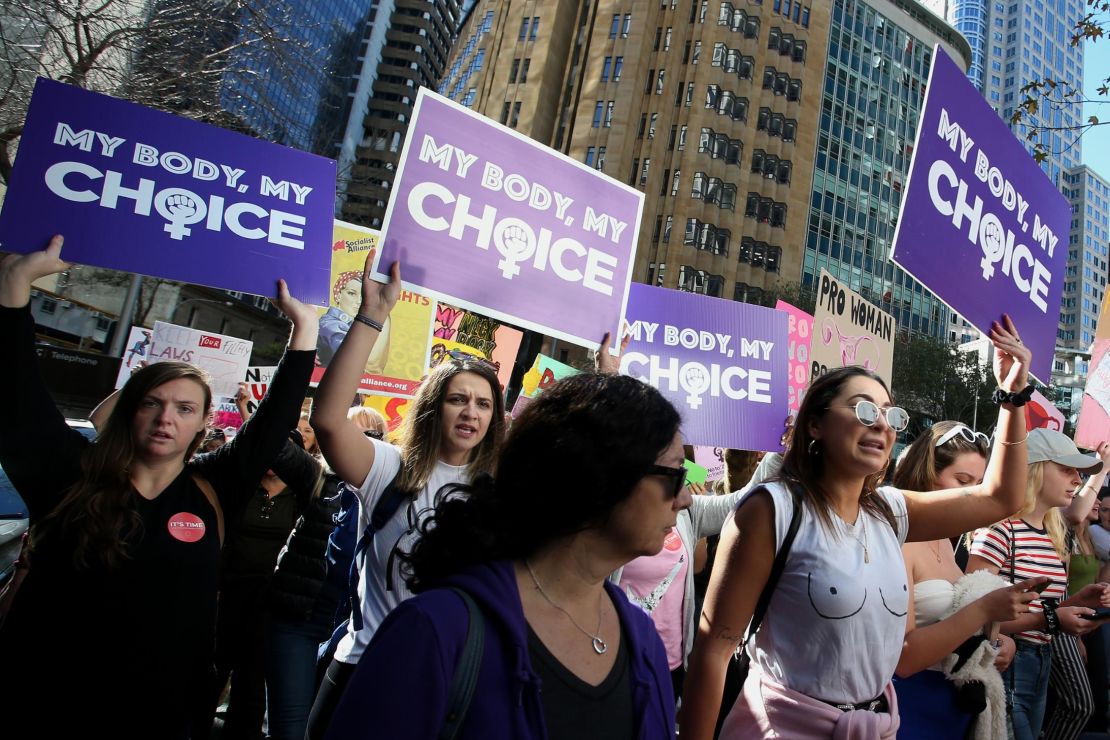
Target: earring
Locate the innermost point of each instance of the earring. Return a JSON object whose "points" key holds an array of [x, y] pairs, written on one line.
{"points": [[812, 448]]}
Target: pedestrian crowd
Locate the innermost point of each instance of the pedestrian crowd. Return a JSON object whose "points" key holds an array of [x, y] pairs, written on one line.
{"points": [[469, 577]]}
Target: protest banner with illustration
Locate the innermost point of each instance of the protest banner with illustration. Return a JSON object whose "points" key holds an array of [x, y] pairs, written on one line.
{"points": [[713, 460], [400, 356], [224, 358], [848, 330], [723, 364], [225, 415], [135, 352], [1042, 413], [497, 223], [544, 373], [1102, 330], [1094, 413], [484, 336], [981, 225], [197, 203], [258, 379], [392, 408], [799, 330]]}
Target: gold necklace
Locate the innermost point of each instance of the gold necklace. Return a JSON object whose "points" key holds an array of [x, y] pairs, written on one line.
{"points": [[936, 552]]}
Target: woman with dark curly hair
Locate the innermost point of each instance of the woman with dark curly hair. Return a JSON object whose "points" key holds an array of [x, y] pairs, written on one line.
{"points": [[590, 477]]}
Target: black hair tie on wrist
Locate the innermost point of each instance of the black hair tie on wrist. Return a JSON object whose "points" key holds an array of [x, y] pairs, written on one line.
{"points": [[1017, 398], [375, 325]]}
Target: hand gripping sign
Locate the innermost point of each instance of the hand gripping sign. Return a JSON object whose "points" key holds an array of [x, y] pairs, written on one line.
{"points": [[981, 224], [144, 191], [498, 224]]}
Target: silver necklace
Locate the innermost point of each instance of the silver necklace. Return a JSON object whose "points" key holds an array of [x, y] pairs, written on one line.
{"points": [[863, 526], [598, 644]]}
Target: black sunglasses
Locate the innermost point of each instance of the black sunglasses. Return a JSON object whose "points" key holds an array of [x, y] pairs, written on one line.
{"points": [[373, 433], [678, 475]]}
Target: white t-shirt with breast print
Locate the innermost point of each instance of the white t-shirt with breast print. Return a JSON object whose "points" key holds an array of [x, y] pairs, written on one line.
{"points": [[399, 534], [835, 625]]}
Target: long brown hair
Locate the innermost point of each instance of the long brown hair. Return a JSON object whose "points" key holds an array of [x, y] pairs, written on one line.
{"points": [[420, 435], [805, 467], [98, 511], [923, 461]]}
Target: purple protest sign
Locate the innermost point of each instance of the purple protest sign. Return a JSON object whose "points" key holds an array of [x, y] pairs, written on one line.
{"points": [[497, 223], [982, 225], [144, 191], [723, 364]]}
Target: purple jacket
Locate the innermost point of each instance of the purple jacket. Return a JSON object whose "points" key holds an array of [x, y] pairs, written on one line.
{"points": [[401, 685]]}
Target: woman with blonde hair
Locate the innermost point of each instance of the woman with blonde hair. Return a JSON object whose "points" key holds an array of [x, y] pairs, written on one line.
{"points": [[1033, 543], [943, 614]]}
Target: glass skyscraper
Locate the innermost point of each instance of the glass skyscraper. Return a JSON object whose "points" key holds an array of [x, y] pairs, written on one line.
{"points": [[874, 84]]}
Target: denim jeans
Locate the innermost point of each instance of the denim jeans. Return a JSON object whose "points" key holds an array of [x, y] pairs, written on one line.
{"points": [[1026, 682], [291, 674]]}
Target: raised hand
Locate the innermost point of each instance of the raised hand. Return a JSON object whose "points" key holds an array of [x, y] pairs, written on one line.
{"points": [[607, 363], [1011, 357], [378, 299], [18, 271], [298, 312]]}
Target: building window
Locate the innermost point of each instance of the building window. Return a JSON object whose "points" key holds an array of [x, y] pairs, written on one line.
{"points": [[617, 64], [609, 113], [505, 112], [524, 28], [644, 171], [626, 25], [524, 70], [590, 151], [515, 116], [615, 28], [514, 70], [535, 29], [599, 110]]}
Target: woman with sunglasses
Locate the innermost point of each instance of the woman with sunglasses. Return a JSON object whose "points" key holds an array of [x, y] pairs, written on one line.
{"points": [[450, 434], [949, 455], [590, 476], [1034, 542], [822, 661]]}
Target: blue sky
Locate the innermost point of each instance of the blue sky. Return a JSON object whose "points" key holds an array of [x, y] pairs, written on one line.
{"points": [[1096, 142]]}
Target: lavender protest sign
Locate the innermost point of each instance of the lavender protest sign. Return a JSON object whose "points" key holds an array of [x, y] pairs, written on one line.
{"points": [[143, 191], [981, 224], [723, 364], [497, 223]]}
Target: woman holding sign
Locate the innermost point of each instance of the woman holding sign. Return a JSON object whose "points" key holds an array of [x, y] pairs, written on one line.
{"points": [[822, 661], [450, 434], [112, 630]]}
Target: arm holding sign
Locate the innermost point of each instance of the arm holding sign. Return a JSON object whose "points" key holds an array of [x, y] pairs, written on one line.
{"points": [[347, 450], [43, 460], [952, 511], [235, 468], [1080, 506]]}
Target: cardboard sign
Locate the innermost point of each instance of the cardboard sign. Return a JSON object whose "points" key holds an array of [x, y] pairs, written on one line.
{"points": [[723, 364], [258, 379], [848, 330], [497, 223], [486, 338], [399, 358], [136, 351], [194, 202], [1042, 413], [544, 373], [981, 225], [695, 473], [713, 460], [224, 358], [799, 330], [1094, 412]]}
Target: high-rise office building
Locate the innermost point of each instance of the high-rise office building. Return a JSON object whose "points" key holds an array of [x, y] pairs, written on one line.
{"points": [[709, 107], [1015, 42], [874, 85], [1085, 282], [405, 47]]}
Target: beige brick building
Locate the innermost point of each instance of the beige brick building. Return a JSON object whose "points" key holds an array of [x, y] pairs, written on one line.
{"points": [[708, 106]]}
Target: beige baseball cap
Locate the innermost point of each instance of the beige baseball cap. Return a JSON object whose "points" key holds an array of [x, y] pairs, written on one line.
{"points": [[1049, 444]]}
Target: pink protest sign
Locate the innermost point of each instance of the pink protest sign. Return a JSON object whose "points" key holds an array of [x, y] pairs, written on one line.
{"points": [[798, 333]]}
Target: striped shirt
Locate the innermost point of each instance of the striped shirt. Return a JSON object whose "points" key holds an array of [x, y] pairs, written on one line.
{"points": [[1034, 556]]}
